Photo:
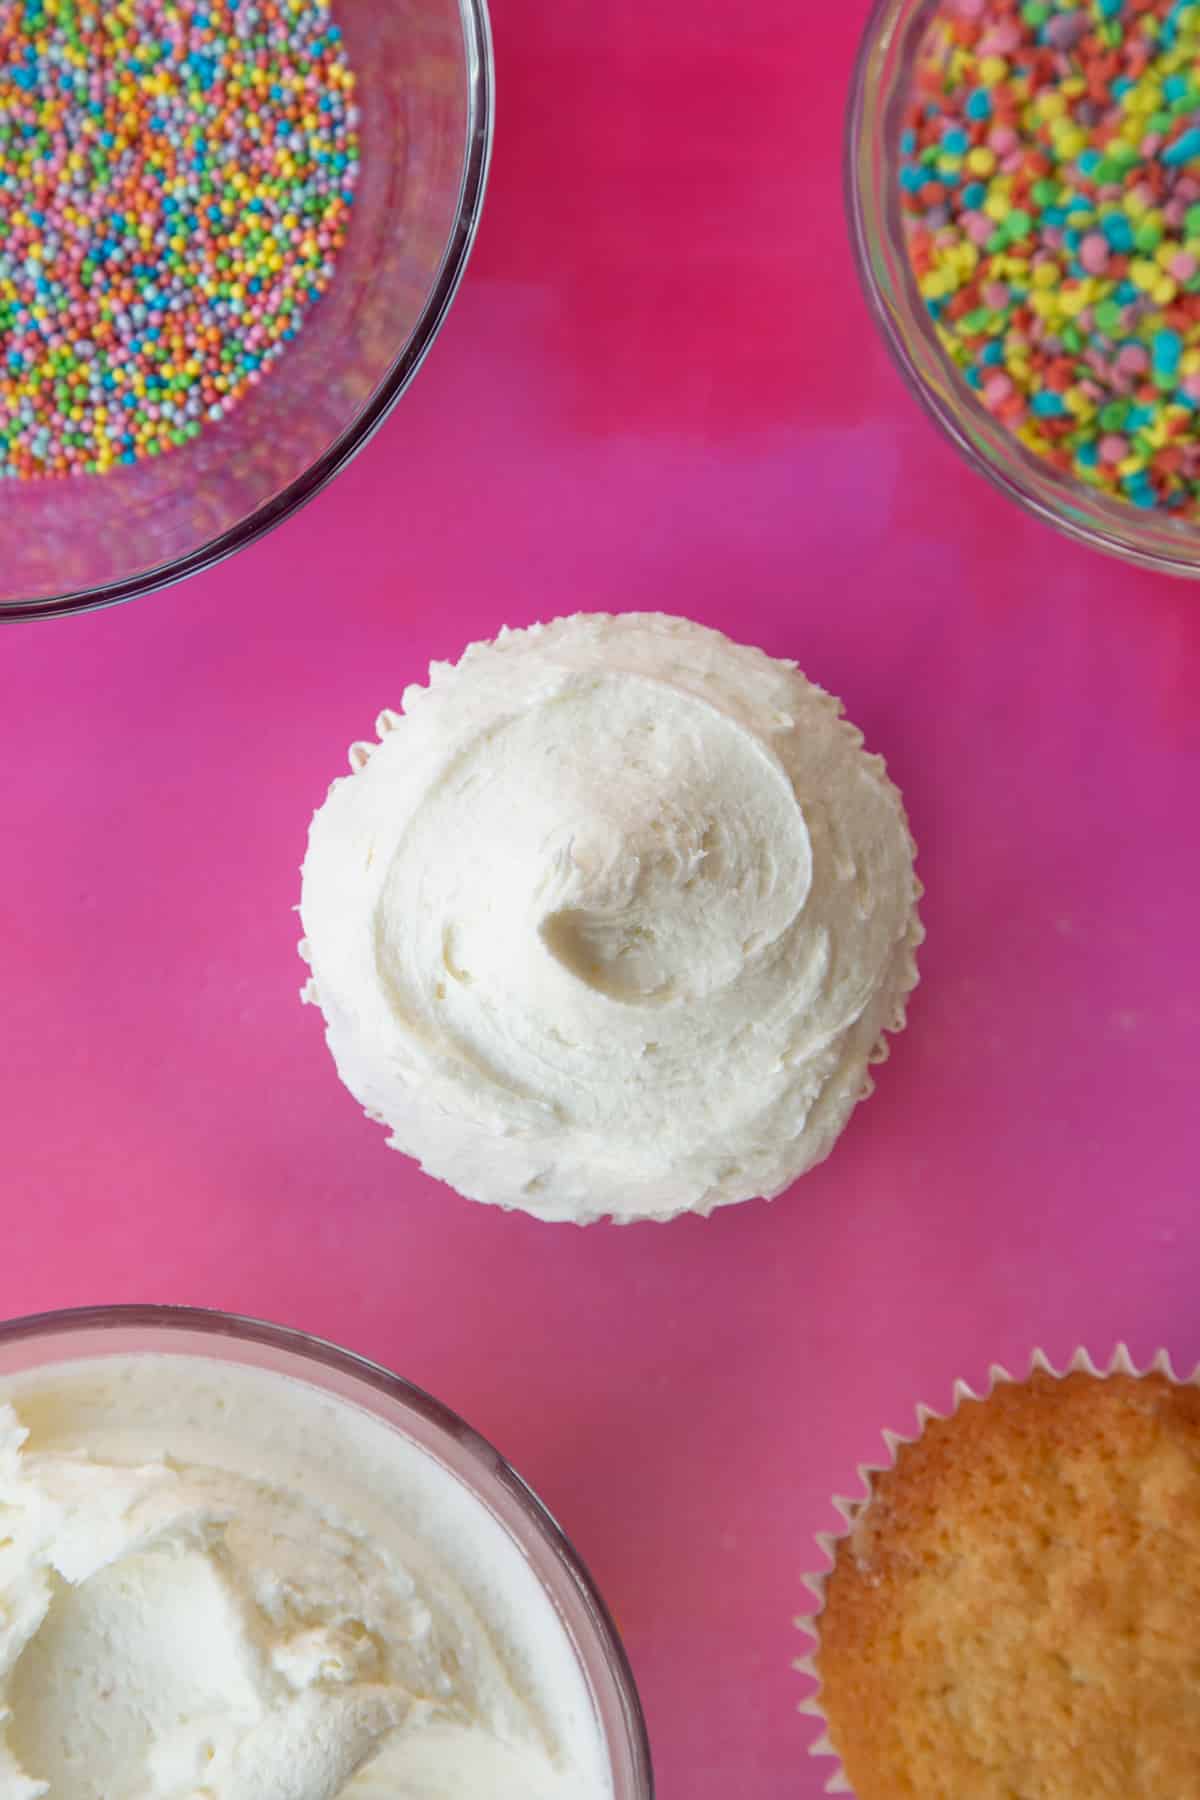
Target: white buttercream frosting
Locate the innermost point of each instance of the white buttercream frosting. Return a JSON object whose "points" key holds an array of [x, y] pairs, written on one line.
{"points": [[218, 1584], [611, 920]]}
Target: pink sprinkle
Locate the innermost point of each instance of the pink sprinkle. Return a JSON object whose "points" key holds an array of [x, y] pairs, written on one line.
{"points": [[1183, 266], [1002, 139], [1151, 144], [1191, 386], [995, 295], [996, 389], [1133, 359], [1001, 40], [978, 227], [1013, 164], [1093, 253], [1114, 448]]}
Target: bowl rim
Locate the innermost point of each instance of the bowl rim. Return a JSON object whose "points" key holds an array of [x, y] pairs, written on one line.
{"points": [[486, 1460], [1110, 542], [481, 118]]}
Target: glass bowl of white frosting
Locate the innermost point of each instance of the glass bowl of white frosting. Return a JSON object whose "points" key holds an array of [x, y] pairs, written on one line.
{"points": [[239, 1561]]}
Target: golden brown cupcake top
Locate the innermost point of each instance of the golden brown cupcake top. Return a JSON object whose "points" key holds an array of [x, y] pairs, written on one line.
{"points": [[1015, 1613]]}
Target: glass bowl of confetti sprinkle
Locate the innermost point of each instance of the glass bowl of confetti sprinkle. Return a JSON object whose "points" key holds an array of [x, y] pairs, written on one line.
{"points": [[229, 232], [1023, 184]]}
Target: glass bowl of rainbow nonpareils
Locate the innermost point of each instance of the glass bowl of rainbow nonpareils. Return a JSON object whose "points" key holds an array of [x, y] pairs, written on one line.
{"points": [[229, 232], [1023, 182]]}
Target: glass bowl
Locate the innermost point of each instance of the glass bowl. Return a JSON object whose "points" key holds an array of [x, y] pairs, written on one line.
{"points": [[425, 97], [92, 1332], [879, 90]]}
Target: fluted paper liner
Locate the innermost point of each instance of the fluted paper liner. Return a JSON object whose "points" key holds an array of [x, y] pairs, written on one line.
{"points": [[1121, 1363]]}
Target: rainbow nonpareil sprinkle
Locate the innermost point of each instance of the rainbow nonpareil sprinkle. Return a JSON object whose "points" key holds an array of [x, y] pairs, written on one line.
{"points": [[176, 178], [1050, 181]]}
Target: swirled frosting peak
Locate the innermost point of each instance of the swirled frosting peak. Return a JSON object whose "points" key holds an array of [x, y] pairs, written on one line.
{"points": [[611, 920]]}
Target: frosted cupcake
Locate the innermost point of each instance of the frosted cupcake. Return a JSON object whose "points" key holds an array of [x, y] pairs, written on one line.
{"points": [[611, 920], [1015, 1607]]}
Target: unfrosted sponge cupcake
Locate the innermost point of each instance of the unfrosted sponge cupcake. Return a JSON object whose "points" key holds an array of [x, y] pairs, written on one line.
{"points": [[1015, 1610], [611, 920]]}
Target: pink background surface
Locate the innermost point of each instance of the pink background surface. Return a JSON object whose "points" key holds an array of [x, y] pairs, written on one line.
{"points": [[658, 388]]}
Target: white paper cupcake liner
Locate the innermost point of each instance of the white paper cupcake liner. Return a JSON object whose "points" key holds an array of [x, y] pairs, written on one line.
{"points": [[1120, 1363], [898, 982]]}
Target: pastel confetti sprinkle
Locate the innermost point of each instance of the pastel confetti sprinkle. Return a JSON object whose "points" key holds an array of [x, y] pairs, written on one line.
{"points": [[1050, 182], [176, 179]]}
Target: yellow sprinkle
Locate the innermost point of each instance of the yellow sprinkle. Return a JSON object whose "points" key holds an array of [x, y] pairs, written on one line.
{"points": [[1070, 142], [1072, 300]]}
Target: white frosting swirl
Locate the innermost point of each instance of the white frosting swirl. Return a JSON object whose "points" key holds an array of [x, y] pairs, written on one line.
{"points": [[612, 920]]}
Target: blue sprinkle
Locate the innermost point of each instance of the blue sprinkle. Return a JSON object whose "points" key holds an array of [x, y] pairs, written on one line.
{"points": [[1048, 405], [955, 142], [979, 105], [1184, 149], [1166, 350], [1119, 232]]}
